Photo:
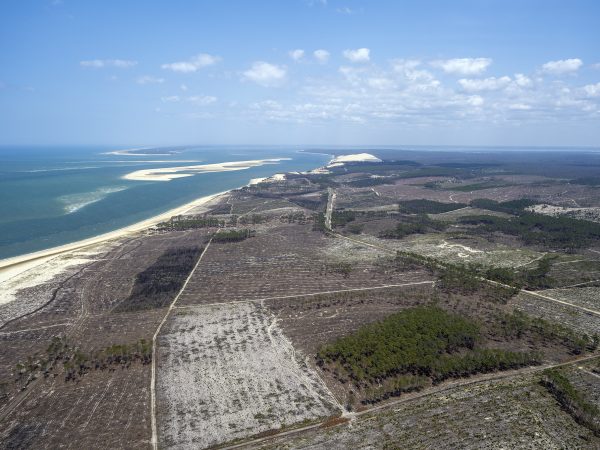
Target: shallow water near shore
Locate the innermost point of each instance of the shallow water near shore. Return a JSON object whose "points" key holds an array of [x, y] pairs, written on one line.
{"points": [[53, 196]]}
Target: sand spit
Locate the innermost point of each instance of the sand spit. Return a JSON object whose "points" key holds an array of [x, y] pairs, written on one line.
{"points": [[171, 173]]}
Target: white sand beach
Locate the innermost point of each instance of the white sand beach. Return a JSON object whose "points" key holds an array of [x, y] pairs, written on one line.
{"points": [[17, 266]]}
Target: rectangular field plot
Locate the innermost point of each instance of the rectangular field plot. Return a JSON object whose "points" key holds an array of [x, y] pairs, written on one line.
{"points": [[316, 320], [286, 260], [104, 409], [587, 297], [515, 413], [566, 315], [227, 372]]}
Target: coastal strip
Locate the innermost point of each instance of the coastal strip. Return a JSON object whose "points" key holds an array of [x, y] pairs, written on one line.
{"points": [[11, 267]]}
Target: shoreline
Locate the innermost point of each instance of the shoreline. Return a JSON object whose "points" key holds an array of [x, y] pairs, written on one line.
{"points": [[14, 265]]}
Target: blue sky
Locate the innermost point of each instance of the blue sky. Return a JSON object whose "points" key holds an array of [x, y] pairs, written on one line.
{"points": [[345, 72]]}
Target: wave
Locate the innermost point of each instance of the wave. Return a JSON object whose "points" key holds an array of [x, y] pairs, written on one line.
{"points": [[59, 169], [75, 202]]}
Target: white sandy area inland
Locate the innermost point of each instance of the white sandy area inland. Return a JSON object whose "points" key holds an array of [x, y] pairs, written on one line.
{"points": [[39, 267], [357, 157], [226, 372], [171, 173]]}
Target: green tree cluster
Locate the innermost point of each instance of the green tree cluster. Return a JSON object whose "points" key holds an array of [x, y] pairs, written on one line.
{"points": [[571, 400]]}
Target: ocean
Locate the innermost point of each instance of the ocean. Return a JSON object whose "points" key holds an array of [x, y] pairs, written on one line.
{"points": [[51, 196]]}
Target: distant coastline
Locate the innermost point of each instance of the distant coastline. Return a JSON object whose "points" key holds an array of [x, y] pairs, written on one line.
{"points": [[14, 265]]}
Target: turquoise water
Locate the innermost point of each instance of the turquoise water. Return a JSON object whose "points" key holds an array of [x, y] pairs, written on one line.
{"points": [[54, 196]]}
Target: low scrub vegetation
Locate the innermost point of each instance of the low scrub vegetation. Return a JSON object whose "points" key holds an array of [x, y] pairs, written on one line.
{"points": [[538, 229], [372, 181], [517, 324], [571, 400], [342, 218], [423, 206], [410, 225], [68, 360], [181, 223], [514, 207], [319, 223], [233, 236]]}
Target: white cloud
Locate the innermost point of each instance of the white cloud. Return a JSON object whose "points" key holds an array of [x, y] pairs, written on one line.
{"points": [[202, 100], [170, 99], [297, 54], [562, 66], [463, 66], [402, 65], [522, 80], [345, 10], [193, 64], [475, 100], [183, 87], [519, 107], [592, 90], [381, 83], [321, 55], [265, 74], [485, 84], [101, 63], [147, 79], [360, 55]]}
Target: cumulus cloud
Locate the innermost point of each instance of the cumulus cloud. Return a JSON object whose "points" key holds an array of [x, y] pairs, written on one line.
{"points": [[475, 100], [562, 66], [485, 84], [297, 54], [321, 55], [193, 64], [402, 65], [147, 79], [101, 63], [522, 80], [381, 83], [265, 74], [592, 90], [463, 66], [360, 55]]}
